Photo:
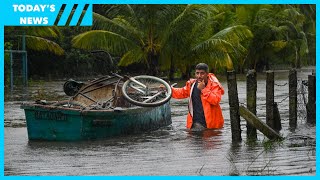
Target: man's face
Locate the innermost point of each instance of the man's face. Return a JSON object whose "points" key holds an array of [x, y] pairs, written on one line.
{"points": [[201, 75]]}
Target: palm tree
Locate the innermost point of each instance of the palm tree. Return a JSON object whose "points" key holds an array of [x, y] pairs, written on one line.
{"points": [[138, 33], [277, 29], [165, 36], [36, 38], [296, 34], [256, 17], [215, 40], [227, 39]]}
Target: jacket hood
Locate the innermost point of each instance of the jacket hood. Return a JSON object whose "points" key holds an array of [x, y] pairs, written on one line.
{"points": [[213, 78]]}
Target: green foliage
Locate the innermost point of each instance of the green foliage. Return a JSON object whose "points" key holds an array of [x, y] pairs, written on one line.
{"points": [[166, 36], [41, 44], [279, 34], [8, 45], [38, 38], [164, 39]]}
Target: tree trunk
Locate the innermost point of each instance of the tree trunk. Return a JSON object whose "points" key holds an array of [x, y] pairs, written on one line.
{"points": [[154, 68]]}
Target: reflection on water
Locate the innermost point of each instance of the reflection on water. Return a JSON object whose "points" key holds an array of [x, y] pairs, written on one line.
{"points": [[171, 150]]}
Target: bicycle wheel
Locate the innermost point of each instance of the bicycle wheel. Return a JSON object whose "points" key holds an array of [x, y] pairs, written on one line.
{"points": [[145, 91]]}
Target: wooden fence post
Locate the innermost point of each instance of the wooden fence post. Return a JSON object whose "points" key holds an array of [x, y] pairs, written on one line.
{"points": [[277, 119], [293, 98], [234, 106], [270, 99], [311, 105], [252, 101]]}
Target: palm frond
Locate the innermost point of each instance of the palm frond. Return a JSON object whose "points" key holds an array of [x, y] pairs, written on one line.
{"points": [[234, 34], [294, 13], [304, 43], [43, 31], [184, 21], [128, 27], [278, 45], [212, 45], [118, 25], [252, 14], [133, 16], [41, 44], [99, 39], [132, 56], [290, 28]]}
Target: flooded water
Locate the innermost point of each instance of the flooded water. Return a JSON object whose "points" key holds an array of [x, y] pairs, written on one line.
{"points": [[171, 150]]}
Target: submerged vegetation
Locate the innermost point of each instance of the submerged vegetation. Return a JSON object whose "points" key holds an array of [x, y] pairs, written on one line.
{"points": [[168, 40]]}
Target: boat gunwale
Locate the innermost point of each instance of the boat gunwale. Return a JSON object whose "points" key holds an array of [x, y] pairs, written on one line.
{"points": [[31, 106]]}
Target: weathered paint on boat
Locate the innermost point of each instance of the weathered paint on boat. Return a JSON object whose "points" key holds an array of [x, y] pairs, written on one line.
{"points": [[45, 122]]}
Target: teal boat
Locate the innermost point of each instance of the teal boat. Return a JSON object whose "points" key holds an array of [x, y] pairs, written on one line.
{"points": [[46, 122], [97, 110]]}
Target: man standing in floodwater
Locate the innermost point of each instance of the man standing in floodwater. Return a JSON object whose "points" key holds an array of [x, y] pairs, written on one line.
{"points": [[204, 94]]}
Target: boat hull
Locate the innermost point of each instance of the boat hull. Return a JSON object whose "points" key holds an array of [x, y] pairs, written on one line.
{"points": [[46, 122]]}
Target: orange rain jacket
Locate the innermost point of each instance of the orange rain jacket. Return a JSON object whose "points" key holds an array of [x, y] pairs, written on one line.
{"points": [[210, 97]]}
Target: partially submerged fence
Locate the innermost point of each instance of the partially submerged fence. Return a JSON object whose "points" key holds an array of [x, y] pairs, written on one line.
{"points": [[16, 59], [302, 103]]}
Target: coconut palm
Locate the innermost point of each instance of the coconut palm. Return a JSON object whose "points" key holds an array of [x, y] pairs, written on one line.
{"points": [[215, 40], [296, 35], [37, 38], [277, 29], [138, 33], [256, 17], [161, 35]]}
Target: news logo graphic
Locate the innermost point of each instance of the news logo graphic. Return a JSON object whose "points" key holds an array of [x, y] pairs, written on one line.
{"points": [[35, 14], [33, 8]]}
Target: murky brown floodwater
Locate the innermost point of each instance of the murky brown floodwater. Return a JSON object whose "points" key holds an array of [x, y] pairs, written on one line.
{"points": [[170, 150]]}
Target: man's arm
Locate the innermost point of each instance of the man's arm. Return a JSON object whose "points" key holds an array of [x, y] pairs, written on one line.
{"points": [[181, 93]]}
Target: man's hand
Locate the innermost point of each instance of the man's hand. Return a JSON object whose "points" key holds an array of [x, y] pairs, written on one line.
{"points": [[201, 85]]}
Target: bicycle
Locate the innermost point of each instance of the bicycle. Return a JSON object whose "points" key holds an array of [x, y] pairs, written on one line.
{"points": [[104, 93]]}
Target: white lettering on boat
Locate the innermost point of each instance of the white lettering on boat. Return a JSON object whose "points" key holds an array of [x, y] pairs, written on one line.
{"points": [[57, 116]]}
